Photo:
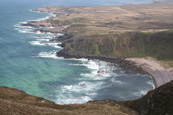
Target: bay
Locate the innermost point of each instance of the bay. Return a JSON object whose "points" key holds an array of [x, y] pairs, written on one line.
{"points": [[26, 63]]}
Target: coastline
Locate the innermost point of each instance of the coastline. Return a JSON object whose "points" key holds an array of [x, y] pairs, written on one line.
{"points": [[157, 73], [160, 75], [121, 61], [57, 70], [142, 65]]}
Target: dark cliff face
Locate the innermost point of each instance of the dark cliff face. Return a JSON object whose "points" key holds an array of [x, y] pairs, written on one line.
{"points": [[128, 44], [156, 102]]}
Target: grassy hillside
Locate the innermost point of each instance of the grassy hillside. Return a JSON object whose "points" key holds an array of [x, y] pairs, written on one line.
{"points": [[156, 102], [15, 102], [120, 31]]}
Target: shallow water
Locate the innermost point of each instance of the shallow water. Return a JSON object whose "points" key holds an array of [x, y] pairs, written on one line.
{"points": [[28, 61]]}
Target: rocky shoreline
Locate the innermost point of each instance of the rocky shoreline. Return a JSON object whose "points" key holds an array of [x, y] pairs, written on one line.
{"points": [[54, 25], [121, 61], [159, 74], [158, 101], [127, 65]]}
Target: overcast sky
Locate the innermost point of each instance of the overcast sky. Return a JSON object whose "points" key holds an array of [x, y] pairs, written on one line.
{"points": [[163, 0]]}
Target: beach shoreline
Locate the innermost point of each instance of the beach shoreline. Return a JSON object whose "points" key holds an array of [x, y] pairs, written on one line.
{"points": [[160, 75], [117, 60], [148, 65]]}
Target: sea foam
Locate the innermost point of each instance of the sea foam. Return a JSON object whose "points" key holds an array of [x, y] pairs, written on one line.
{"points": [[86, 91], [99, 69], [45, 43], [51, 55]]}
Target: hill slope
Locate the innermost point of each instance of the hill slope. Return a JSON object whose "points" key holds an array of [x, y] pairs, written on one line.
{"points": [[13, 101], [156, 102]]}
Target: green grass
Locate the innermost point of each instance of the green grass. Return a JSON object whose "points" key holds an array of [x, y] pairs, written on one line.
{"points": [[97, 52], [129, 44], [103, 33]]}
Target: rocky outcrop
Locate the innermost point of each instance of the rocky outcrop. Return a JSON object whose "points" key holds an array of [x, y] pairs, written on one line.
{"points": [[37, 24], [127, 65], [127, 44], [156, 102]]}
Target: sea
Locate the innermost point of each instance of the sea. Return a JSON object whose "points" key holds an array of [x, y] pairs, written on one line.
{"points": [[28, 61]]}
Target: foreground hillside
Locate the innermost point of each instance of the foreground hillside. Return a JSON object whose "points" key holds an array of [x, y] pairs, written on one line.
{"points": [[156, 102], [13, 101]]}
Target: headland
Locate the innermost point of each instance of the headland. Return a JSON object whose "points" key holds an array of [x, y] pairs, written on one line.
{"points": [[126, 34]]}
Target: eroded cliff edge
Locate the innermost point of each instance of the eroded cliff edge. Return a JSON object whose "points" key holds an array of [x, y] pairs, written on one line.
{"points": [[114, 31]]}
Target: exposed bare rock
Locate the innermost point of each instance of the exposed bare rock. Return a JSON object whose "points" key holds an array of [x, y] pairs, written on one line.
{"points": [[156, 102]]}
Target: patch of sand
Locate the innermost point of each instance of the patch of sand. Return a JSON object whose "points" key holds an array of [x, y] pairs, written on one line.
{"points": [[154, 68]]}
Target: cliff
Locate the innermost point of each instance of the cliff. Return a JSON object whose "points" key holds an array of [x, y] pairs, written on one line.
{"points": [[127, 44], [117, 31]]}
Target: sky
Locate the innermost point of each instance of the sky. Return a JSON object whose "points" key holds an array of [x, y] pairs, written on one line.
{"points": [[163, 0]]}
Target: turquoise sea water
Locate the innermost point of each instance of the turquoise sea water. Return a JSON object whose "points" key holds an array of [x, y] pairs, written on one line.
{"points": [[28, 63]]}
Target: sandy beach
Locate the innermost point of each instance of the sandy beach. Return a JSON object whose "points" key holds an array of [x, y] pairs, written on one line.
{"points": [[153, 67]]}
